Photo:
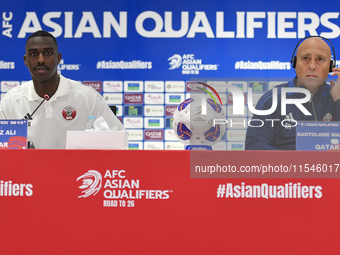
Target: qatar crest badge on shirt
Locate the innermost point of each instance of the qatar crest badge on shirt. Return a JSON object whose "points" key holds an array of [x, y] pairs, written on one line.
{"points": [[69, 113]]}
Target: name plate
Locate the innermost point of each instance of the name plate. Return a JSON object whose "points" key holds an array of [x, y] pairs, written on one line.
{"points": [[97, 140], [318, 136], [13, 134]]}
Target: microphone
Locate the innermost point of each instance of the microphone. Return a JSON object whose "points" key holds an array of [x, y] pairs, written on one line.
{"points": [[311, 101], [311, 97], [47, 97]]}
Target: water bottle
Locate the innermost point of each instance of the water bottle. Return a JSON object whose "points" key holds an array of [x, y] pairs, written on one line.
{"points": [[90, 123]]}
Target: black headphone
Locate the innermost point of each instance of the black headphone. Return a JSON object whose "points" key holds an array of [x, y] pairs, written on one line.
{"points": [[332, 63]]}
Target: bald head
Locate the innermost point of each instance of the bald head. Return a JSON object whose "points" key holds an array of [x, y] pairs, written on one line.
{"points": [[314, 44], [312, 63]]}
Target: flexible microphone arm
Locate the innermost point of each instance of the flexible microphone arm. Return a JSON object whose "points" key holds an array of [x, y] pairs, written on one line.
{"points": [[47, 97]]}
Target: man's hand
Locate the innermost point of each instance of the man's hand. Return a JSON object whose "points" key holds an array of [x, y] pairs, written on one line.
{"points": [[335, 86]]}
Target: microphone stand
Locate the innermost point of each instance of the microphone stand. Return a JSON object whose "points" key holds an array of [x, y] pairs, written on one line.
{"points": [[28, 116], [47, 97]]}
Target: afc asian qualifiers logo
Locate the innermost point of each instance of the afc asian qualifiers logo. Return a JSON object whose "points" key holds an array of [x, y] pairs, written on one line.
{"points": [[190, 64], [175, 62], [92, 183]]}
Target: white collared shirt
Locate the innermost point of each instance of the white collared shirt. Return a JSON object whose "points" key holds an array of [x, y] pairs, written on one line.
{"points": [[68, 109]]}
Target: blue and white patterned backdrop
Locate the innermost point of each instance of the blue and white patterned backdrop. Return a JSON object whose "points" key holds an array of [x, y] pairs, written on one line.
{"points": [[140, 54]]}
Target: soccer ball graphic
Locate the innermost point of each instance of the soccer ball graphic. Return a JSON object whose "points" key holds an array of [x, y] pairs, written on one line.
{"points": [[194, 128]]}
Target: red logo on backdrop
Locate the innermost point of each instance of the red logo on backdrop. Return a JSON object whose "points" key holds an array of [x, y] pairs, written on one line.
{"points": [[69, 113], [133, 98], [169, 110], [96, 85], [230, 99], [192, 86], [153, 134]]}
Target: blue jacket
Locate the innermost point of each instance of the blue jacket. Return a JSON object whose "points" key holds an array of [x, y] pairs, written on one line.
{"points": [[275, 136]]}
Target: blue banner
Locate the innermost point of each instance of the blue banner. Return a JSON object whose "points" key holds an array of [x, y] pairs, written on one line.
{"points": [[13, 134], [317, 136], [144, 52]]}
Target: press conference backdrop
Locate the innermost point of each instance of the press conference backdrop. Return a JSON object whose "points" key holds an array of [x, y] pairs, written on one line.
{"points": [[140, 55]]}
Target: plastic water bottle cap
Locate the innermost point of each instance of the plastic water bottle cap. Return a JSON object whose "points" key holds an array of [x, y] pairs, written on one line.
{"points": [[91, 117]]}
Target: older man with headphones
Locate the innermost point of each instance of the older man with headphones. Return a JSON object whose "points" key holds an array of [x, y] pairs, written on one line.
{"points": [[312, 65]]}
